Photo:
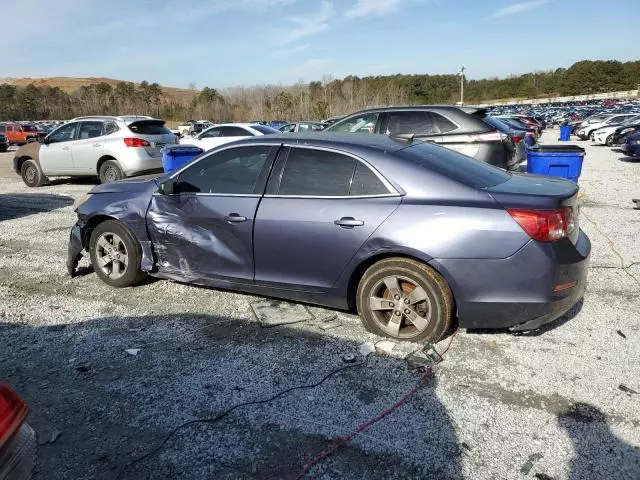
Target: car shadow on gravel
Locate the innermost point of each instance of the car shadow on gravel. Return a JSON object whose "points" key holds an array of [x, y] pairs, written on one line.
{"points": [[598, 452], [16, 205], [113, 406], [629, 159], [74, 181]]}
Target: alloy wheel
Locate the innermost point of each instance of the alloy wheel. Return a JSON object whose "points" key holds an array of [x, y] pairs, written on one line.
{"points": [[112, 255], [400, 306]]}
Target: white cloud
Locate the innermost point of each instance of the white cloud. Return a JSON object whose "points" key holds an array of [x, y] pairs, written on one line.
{"points": [[518, 8], [364, 8], [307, 26]]}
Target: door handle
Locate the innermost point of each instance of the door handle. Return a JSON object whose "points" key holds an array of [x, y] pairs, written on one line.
{"points": [[235, 218], [97, 144], [349, 222], [66, 148]]}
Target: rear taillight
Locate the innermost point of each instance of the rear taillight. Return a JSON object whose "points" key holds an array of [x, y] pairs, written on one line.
{"points": [[136, 142], [517, 138], [13, 411], [494, 136], [545, 225]]}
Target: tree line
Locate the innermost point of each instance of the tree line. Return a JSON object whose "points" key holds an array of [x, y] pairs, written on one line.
{"points": [[314, 100]]}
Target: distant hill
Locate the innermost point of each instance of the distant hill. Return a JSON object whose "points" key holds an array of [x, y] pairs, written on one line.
{"points": [[71, 84]]}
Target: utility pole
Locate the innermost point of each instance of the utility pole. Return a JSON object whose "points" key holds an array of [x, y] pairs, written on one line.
{"points": [[461, 73]]}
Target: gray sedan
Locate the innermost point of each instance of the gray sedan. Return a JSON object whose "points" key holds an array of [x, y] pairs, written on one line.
{"points": [[412, 236]]}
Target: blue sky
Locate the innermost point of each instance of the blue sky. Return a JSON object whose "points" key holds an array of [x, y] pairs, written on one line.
{"points": [[223, 43]]}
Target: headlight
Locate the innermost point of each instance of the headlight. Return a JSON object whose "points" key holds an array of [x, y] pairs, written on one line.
{"points": [[80, 200]]}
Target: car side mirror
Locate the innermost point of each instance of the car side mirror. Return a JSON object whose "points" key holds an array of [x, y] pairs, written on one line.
{"points": [[168, 187], [46, 141]]}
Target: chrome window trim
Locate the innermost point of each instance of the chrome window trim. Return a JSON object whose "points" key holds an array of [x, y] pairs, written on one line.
{"points": [[392, 191], [342, 197], [206, 194]]}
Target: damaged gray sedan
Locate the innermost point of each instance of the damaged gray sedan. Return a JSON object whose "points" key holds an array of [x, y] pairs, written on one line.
{"points": [[410, 235]]}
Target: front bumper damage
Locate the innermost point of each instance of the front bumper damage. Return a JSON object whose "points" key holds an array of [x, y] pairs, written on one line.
{"points": [[74, 250]]}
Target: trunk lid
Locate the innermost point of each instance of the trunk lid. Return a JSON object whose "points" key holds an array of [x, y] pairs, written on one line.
{"points": [[155, 132]]}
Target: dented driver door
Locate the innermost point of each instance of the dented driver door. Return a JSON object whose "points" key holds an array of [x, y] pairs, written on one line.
{"points": [[204, 230]]}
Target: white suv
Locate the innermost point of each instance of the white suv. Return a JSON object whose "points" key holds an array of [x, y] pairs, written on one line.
{"points": [[111, 148], [590, 125]]}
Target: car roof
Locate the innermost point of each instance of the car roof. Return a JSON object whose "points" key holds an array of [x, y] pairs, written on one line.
{"points": [[337, 140], [117, 118], [469, 109]]}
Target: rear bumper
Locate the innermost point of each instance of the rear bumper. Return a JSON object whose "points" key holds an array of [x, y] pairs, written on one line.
{"points": [[518, 292], [631, 150], [18, 456], [134, 161]]}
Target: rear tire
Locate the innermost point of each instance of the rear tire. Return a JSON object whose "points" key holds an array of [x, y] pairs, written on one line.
{"points": [[115, 255], [405, 299], [32, 174], [591, 136], [110, 172], [609, 141]]}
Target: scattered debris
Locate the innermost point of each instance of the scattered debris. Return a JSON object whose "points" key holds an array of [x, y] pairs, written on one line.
{"points": [[366, 348], [49, 437], [526, 468], [83, 368], [329, 322], [56, 328], [427, 356], [466, 446], [133, 351], [271, 313], [349, 358], [543, 476], [636, 202], [621, 334], [385, 346], [626, 389]]}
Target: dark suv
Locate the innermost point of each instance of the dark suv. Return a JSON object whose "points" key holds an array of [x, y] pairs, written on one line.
{"points": [[458, 128]]}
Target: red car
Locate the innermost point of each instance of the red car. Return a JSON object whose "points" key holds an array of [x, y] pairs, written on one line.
{"points": [[17, 438]]}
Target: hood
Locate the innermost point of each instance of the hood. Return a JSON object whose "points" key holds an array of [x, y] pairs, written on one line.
{"points": [[134, 184]]}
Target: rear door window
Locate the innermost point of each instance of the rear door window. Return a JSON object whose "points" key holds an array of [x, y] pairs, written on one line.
{"points": [[418, 122], [311, 172], [89, 130]]}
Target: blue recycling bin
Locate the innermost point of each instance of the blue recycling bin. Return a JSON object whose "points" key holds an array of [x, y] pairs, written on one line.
{"points": [[175, 156], [565, 133], [556, 160]]}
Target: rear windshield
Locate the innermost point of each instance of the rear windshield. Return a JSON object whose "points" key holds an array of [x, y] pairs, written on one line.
{"points": [[149, 127], [29, 128], [456, 166], [264, 129]]}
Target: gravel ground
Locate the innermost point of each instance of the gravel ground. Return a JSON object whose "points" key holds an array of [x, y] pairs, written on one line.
{"points": [[500, 406]]}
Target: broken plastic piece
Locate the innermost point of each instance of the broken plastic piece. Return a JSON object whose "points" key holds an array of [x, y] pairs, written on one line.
{"points": [[626, 389], [366, 349], [526, 468], [133, 351], [385, 346], [621, 334], [427, 356], [271, 313]]}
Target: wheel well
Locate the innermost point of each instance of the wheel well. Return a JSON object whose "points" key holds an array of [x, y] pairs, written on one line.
{"points": [[90, 227], [20, 161], [101, 160], [357, 274]]}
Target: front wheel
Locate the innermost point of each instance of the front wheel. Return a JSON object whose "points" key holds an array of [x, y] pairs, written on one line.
{"points": [[405, 300], [115, 255], [32, 174], [110, 172]]}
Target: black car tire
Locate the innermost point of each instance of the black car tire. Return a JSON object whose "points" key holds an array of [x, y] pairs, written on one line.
{"points": [[591, 136], [32, 174], [132, 273], [110, 172], [407, 271], [3, 148], [609, 141]]}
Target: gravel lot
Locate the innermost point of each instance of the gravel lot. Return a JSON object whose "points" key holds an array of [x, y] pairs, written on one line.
{"points": [[500, 406]]}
